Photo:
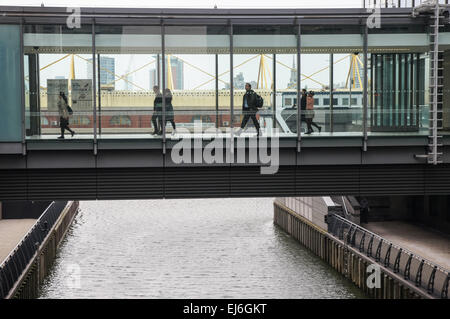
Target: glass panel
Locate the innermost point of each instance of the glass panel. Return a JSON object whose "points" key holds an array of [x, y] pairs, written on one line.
{"points": [[336, 47], [315, 78], [286, 92], [58, 68], [255, 50], [10, 84], [26, 68], [446, 92], [197, 73], [398, 79], [128, 81]]}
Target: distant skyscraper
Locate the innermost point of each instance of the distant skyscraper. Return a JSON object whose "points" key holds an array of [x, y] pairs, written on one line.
{"points": [[177, 73], [239, 82], [107, 71]]}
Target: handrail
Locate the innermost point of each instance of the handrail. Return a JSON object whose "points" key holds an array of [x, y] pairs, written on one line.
{"points": [[393, 245], [24, 237], [337, 226], [16, 262]]}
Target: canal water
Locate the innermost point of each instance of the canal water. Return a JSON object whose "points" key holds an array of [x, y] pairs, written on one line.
{"points": [[196, 248]]}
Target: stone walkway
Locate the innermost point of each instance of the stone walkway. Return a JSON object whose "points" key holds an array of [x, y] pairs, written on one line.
{"points": [[11, 232], [426, 243]]}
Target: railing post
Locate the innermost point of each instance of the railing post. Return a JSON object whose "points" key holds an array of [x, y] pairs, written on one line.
{"points": [[444, 292], [430, 286], [361, 243], [369, 248], [378, 252], [407, 274], [387, 257], [418, 279], [397, 261]]}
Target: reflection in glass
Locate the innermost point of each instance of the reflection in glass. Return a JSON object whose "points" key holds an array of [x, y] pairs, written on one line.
{"points": [[264, 56], [197, 78], [127, 71], [57, 60]]}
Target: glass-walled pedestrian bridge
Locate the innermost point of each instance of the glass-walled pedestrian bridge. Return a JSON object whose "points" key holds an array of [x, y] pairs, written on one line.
{"points": [[369, 80], [380, 79]]}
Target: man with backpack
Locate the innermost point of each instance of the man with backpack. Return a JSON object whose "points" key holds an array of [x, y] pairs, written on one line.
{"points": [[250, 104]]}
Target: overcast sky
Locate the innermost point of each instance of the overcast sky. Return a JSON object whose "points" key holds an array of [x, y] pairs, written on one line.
{"points": [[192, 3]]}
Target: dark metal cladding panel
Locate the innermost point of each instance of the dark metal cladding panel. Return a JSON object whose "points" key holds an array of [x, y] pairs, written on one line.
{"points": [[249, 182], [62, 184], [437, 180], [196, 182], [392, 180], [326, 180], [13, 185], [129, 183], [226, 181]]}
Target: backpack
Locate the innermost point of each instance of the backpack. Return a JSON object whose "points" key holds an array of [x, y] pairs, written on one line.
{"points": [[259, 101], [69, 110]]}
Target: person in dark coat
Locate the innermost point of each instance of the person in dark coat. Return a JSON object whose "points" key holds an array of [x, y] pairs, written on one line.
{"points": [[157, 111], [64, 115], [309, 114], [170, 117], [249, 109]]}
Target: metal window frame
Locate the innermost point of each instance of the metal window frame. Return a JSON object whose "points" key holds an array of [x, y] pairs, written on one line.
{"points": [[99, 95], [231, 46], [22, 90], [274, 90], [163, 71], [299, 112], [94, 87], [365, 102], [331, 114]]}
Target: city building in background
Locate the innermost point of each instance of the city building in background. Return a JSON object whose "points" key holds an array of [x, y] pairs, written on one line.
{"points": [[177, 69], [107, 71]]}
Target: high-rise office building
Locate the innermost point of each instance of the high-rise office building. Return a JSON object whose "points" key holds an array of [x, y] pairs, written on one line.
{"points": [[107, 71], [177, 73]]}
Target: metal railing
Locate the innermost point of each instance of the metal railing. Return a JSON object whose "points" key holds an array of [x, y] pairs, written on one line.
{"points": [[425, 274], [16, 262]]}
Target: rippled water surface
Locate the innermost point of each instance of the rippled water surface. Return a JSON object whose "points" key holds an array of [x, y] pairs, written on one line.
{"points": [[202, 248]]}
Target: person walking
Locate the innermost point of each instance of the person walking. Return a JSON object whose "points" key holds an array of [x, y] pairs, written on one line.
{"points": [[309, 114], [249, 109], [303, 105], [157, 110], [63, 109], [170, 117]]}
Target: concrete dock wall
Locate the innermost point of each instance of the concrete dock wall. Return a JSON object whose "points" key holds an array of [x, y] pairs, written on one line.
{"points": [[27, 286], [345, 259]]}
